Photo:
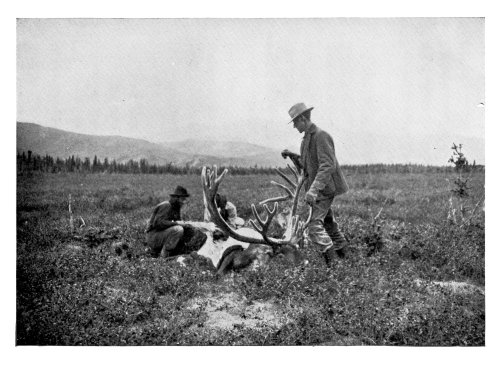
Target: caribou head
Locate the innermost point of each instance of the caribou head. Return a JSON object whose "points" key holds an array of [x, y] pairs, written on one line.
{"points": [[246, 246]]}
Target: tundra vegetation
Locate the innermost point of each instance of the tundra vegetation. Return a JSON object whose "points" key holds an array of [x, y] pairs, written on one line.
{"points": [[414, 274]]}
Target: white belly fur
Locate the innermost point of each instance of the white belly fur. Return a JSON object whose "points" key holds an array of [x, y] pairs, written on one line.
{"points": [[214, 249]]}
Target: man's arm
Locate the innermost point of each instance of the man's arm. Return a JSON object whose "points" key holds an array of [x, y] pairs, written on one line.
{"points": [[160, 226], [159, 220], [294, 157]]}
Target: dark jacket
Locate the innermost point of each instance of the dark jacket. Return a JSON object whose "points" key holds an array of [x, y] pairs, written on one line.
{"points": [[324, 176], [163, 217]]}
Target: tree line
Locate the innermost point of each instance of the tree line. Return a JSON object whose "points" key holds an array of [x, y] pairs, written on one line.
{"points": [[28, 162]]}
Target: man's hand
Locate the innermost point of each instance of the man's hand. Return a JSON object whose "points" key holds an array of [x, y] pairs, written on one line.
{"points": [[294, 157], [310, 198], [285, 153]]}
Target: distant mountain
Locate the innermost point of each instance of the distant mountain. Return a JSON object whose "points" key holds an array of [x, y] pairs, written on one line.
{"points": [[219, 148], [359, 148], [58, 143], [236, 153]]}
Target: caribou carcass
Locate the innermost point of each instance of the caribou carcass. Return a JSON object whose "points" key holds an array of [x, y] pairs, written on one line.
{"points": [[245, 246]]}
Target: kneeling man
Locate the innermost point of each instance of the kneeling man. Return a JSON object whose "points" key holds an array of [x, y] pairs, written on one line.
{"points": [[164, 233]]}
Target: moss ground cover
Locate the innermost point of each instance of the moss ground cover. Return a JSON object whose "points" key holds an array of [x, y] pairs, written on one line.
{"points": [[74, 289]]}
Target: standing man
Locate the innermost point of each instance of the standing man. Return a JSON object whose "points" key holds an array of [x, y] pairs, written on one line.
{"points": [[164, 233], [324, 181]]}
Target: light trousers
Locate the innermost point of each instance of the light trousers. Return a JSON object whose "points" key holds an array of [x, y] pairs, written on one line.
{"points": [[323, 230]]}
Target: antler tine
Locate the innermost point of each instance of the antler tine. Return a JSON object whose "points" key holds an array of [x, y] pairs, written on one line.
{"points": [[204, 180], [288, 180], [219, 179], [294, 171], [296, 162], [300, 182], [292, 218], [294, 231], [208, 176], [216, 180], [309, 216], [289, 195], [277, 199], [264, 223], [300, 225], [270, 215], [297, 228], [289, 192]]}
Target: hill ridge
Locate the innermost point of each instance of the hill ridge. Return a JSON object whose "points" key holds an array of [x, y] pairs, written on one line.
{"points": [[60, 143]]}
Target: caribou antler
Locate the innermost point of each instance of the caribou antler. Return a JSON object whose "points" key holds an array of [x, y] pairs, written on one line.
{"points": [[263, 225], [291, 225], [211, 182]]}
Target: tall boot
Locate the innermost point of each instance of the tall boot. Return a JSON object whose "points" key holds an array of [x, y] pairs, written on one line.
{"points": [[341, 253], [329, 256], [338, 239]]}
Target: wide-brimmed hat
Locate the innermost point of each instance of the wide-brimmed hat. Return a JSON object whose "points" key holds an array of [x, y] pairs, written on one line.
{"points": [[298, 109], [180, 192]]}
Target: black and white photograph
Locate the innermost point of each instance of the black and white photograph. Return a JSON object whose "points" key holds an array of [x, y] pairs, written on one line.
{"points": [[250, 181]]}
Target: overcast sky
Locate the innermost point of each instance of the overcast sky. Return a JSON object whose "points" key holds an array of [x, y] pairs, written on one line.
{"points": [[392, 80]]}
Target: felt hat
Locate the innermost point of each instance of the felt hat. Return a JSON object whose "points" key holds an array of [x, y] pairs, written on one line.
{"points": [[298, 109], [180, 192]]}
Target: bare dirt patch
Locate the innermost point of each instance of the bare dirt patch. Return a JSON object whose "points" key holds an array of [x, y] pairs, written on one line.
{"points": [[226, 311], [456, 287]]}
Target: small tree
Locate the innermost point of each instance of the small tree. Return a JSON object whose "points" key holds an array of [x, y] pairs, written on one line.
{"points": [[461, 188], [458, 159]]}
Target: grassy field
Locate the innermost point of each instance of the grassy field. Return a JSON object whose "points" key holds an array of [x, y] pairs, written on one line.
{"points": [[411, 277]]}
